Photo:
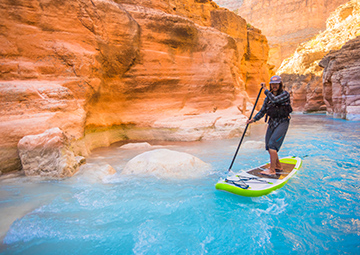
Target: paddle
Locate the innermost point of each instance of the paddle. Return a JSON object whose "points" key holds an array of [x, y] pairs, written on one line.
{"points": [[242, 137]]}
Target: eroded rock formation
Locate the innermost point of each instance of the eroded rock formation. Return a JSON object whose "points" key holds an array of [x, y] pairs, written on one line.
{"points": [[306, 91], [341, 81], [302, 73], [287, 23], [104, 71]]}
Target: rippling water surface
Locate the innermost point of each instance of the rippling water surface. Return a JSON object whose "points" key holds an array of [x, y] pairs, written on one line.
{"points": [[317, 212]]}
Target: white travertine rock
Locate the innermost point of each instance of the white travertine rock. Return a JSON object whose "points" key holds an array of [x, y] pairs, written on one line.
{"points": [[48, 155], [166, 163]]}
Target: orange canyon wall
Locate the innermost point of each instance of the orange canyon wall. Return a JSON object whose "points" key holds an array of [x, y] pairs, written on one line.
{"points": [[106, 71]]}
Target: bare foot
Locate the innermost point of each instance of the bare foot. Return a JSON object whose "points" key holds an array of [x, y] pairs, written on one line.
{"points": [[268, 172]]}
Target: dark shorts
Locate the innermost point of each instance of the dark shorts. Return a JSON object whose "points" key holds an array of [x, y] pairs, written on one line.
{"points": [[275, 136]]}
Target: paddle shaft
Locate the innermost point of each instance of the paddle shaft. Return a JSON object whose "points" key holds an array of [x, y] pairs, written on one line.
{"points": [[243, 135]]}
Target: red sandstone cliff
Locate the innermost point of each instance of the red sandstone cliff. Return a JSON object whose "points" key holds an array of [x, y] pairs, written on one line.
{"points": [[105, 71], [299, 28], [287, 23], [302, 73], [341, 79]]}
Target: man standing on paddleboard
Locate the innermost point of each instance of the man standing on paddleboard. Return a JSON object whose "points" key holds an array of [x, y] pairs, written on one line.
{"points": [[277, 108]]}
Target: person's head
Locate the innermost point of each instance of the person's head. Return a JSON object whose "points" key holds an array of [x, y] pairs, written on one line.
{"points": [[276, 84]]}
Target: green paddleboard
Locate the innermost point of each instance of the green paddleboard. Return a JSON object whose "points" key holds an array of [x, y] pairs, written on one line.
{"points": [[253, 184]]}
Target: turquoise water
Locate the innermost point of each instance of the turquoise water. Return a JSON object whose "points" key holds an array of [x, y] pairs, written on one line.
{"points": [[316, 212]]}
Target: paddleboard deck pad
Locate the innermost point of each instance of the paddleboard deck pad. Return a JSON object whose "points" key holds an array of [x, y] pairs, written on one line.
{"points": [[252, 183]]}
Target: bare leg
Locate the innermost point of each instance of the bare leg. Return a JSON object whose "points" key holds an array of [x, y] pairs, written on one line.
{"points": [[274, 159]]}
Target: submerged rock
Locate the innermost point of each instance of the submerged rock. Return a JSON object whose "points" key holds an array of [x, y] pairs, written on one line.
{"points": [[131, 146], [254, 145], [167, 164], [93, 173], [48, 155]]}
